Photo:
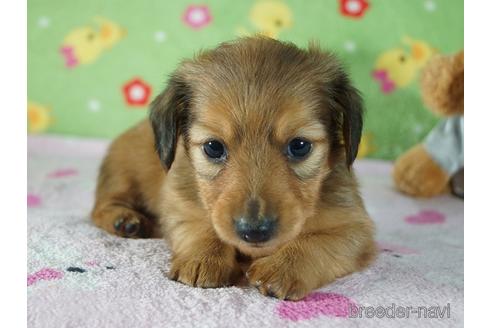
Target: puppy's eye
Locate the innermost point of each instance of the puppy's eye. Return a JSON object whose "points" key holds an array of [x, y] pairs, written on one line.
{"points": [[298, 148], [215, 150]]}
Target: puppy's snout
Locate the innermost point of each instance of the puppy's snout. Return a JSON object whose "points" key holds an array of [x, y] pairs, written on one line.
{"points": [[256, 230]]}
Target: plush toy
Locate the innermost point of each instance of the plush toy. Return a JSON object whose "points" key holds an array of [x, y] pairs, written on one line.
{"points": [[436, 165]]}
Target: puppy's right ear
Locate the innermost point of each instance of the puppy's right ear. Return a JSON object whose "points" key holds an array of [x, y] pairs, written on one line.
{"points": [[168, 116]]}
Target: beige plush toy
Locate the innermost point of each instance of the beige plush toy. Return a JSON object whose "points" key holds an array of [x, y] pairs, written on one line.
{"points": [[436, 165]]}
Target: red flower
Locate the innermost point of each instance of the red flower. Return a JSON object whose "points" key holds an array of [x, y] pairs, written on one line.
{"points": [[137, 92], [353, 8]]}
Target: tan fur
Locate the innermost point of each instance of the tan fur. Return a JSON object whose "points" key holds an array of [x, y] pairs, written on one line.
{"points": [[129, 182], [254, 95], [419, 175], [442, 83]]}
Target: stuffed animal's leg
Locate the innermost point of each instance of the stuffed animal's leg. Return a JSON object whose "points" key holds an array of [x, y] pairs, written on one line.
{"points": [[417, 174]]}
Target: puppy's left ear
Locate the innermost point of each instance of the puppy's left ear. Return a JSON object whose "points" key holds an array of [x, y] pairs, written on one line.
{"points": [[351, 109], [168, 116]]}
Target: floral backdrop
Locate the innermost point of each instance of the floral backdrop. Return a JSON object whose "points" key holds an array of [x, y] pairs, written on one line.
{"points": [[94, 65]]}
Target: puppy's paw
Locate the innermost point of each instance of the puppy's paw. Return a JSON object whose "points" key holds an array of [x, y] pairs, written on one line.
{"points": [[131, 224], [277, 278], [205, 271]]}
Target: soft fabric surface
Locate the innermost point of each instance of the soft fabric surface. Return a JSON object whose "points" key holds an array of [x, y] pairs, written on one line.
{"points": [[110, 58], [80, 276]]}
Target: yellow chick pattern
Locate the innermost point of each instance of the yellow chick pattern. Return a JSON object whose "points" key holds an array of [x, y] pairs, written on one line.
{"points": [[397, 67], [38, 117], [85, 44], [269, 18], [366, 146]]}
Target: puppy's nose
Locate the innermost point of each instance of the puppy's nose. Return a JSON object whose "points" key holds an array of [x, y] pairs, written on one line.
{"points": [[255, 230]]}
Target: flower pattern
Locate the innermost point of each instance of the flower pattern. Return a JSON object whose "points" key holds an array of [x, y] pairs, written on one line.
{"points": [[197, 16], [353, 8], [137, 92]]}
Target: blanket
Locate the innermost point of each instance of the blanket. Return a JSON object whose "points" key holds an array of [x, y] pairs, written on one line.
{"points": [[81, 276]]}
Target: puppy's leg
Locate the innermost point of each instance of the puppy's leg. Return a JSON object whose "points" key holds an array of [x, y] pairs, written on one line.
{"points": [[117, 204], [128, 185], [120, 219], [200, 259], [311, 261]]}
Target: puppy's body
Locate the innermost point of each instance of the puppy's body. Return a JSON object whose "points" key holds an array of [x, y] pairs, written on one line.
{"points": [[251, 99]]}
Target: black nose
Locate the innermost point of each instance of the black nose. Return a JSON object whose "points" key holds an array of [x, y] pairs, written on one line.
{"points": [[255, 230]]}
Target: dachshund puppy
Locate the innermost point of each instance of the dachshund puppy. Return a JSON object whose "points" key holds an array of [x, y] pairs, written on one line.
{"points": [[247, 153]]}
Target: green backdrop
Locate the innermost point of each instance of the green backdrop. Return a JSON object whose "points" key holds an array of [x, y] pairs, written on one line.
{"points": [[94, 65]]}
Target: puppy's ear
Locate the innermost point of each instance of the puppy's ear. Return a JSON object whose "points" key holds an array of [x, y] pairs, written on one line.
{"points": [[350, 108], [168, 116], [352, 123], [344, 102]]}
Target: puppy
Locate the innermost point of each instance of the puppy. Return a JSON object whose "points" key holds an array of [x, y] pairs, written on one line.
{"points": [[247, 152]]}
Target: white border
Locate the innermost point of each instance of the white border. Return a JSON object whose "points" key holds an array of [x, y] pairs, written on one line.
{"points": [[478, 151], [478, 217], [13, 177]]}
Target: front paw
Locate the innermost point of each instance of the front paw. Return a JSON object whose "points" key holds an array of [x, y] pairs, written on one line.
{"points": [[132, 225], [205, 271], [279, 278]]}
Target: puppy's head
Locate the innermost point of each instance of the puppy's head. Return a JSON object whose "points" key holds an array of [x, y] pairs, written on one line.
{"points": [[263, 123]]}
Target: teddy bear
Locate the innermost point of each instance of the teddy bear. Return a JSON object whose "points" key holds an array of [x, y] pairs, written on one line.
{"points": [[436, 165]]}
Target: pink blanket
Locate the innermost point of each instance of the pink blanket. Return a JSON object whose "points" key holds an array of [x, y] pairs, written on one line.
{"points": [[79, 276]]}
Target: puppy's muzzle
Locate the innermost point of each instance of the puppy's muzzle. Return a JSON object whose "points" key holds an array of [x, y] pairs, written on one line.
{"points": [[255, 230]]}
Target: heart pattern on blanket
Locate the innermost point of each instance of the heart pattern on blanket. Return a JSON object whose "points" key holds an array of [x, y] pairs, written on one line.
{"points": [[426, 217], [55, 274], [61, 173], [33, 200], [44, 274], [315, 305]]}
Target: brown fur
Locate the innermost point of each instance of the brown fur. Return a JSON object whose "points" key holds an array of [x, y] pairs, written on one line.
{"points": [[254, 95], [443, 84], [419, 175]]}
